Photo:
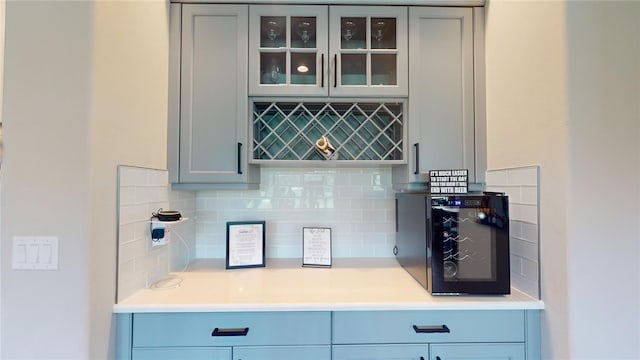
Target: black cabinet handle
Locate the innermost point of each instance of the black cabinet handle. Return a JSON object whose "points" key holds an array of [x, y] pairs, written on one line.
{"points": [[431, 329], [417, 147], [322, 70], [335, 70], [240, 158], [230, 331]]}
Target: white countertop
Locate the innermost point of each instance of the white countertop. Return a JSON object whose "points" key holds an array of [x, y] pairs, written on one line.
{"points": [[283, 285]]}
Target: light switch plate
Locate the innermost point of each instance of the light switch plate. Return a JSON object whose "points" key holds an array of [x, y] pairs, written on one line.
{"points": [[35, 253]]}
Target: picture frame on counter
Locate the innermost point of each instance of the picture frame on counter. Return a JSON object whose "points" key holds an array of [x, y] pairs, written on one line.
{"points": [[245, 244], [316, 246]]}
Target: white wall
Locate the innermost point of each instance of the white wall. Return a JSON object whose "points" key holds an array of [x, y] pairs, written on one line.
{"points": [[85, 89], [527, 124], [562, 92], [45, 176], [604, 163], [2, 13], [129, 115]]}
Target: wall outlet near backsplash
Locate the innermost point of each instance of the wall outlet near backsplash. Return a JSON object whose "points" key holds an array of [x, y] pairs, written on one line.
{"points": [[142, 191]]}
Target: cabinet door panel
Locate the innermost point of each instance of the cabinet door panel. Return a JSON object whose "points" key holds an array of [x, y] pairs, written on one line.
{"points": [[441, 106], [213, 123], [282, 352], [288, 50], [380, 352], [369, 55], [477, 352], [182, 354]]}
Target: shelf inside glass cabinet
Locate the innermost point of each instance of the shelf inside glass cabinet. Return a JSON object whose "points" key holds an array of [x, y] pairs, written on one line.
{"points": [[364, 131]]}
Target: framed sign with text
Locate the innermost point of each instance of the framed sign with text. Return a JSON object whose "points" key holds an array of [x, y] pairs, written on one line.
{"points": [[454, 181], [245, 244], [316, 246]]}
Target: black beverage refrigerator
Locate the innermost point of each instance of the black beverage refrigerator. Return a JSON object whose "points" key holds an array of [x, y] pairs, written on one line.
{"points": [[455, 244]]}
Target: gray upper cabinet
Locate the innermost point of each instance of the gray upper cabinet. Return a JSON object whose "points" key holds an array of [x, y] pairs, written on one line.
{"points": [[208, 129], [445, 125], [338, 51], [230, 63]]}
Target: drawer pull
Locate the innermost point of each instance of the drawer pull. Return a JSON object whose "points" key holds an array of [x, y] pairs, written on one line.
{"points": [[417, 170], [322, 70], [239, 158], [230, 331], [431, 329]]}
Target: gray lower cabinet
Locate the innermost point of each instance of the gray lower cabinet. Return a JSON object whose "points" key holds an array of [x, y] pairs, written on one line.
{"points": [[465, 351], [326, 335], [208, 113], [218, 336], [497, 351], [216, 353], [445, 123], [235, 353], [282, 352], [380, 352], [436, 335]]}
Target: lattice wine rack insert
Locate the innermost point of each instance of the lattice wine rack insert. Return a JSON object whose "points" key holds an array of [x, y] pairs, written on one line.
{"points": [[355, 131]]}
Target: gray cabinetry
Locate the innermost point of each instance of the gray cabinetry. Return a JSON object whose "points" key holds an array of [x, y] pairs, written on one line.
{"points": [[218, 54], [342, 51], [436, 335], [325, 335], [209, 115], [223, 336], [445, 125]]}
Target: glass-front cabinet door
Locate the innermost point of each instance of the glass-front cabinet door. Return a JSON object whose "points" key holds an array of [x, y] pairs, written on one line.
{"points": [[288, 49], [350, 51], [368, 51]]}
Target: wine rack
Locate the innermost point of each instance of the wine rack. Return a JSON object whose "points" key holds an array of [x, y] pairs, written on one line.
{"points": [[362, 132]]}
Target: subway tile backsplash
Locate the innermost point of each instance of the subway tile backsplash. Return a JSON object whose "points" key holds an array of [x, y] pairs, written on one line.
{"points": [[522, 186], [358, 204], [141, 192]]}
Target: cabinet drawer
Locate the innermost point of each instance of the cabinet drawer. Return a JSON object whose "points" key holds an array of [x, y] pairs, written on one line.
{"points": [[182, 354], [282, 352], [381, 352], [495, 351], [262, 328], [369, 327]]}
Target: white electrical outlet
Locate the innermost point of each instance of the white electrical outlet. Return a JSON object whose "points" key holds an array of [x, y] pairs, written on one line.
{"points": [[159, 234]]}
